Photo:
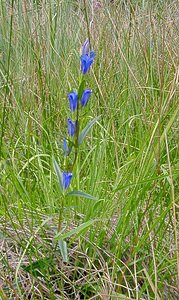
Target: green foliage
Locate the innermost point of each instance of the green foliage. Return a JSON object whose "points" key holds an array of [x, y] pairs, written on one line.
{"points": [[85, 131], [124, 244], [63, 249], [75, 231], [59, 174]]}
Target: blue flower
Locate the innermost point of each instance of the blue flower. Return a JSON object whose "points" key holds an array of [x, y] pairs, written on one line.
{"points": [[85, 97], [86, 61], [66, 179], [73, 99], [85, 48], [72, 126]]}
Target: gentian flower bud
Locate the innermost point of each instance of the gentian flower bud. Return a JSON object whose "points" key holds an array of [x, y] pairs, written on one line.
{"points": [[66, 179], [86, 61], [85, 48], [73, 99], [85, 97], [72, 126]]}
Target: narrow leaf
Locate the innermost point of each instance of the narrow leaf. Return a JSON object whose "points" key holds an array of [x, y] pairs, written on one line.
{"points": [[81, 88], [81, 194], [63, 249], [85, 131], [59, 174], [77, 230], [157, 297]]}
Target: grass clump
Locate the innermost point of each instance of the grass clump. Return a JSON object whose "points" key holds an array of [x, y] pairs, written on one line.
{"points": [[128, 161]]}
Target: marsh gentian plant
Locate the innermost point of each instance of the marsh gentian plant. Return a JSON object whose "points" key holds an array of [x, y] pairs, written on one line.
{"points": [[75, 136]]}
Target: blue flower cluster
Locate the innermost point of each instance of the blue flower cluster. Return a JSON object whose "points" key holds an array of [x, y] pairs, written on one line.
{"points": [[86, 59]]}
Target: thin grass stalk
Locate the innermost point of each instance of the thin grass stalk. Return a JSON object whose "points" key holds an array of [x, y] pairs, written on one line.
{"points": [[7, 78]]}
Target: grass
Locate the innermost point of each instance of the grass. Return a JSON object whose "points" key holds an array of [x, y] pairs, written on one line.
{"points": [[129, 160]]}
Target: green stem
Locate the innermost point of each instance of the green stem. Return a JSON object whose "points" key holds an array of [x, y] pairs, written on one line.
{"points": [[60, 219], [7, 78], [78, 124], [87, 22]]}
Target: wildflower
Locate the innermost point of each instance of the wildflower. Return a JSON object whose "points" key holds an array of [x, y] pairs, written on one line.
{"points": [[85, 97], [67, 179], [72, 126], [85, 48], [86, 61], [73, 99]]}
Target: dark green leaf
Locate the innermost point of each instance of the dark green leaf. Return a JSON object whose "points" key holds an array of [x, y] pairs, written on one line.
{"points": [[38, 267]]}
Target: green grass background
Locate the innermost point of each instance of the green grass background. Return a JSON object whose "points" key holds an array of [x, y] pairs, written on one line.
{"points": [[129, 160]]}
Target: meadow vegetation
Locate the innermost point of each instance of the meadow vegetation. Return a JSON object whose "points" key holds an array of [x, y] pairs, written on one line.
{"points": [[123, 243]]}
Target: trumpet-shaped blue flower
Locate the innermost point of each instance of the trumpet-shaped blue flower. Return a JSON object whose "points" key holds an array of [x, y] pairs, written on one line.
{"points": [[67, 179], [73, 99], [86, 61], [85, 48], [72, 126], [85, 97]]}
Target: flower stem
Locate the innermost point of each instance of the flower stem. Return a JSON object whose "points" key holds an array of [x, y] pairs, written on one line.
{"points": [[87, 22], [60, 218], [77, 126]]}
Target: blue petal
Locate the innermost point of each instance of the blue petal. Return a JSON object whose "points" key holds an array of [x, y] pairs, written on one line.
{"points": [[92, 54], [71, 127], [85, 97], [86, 61], [85, 48], [67, 179], [73, 99]]}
